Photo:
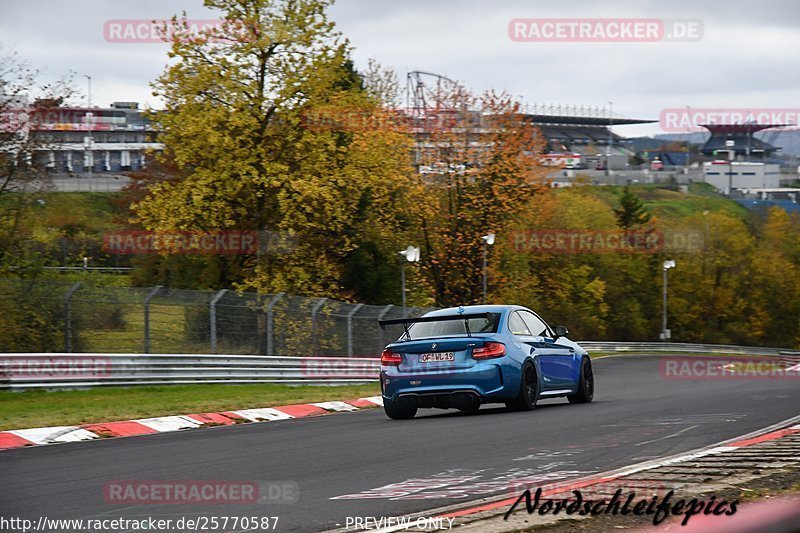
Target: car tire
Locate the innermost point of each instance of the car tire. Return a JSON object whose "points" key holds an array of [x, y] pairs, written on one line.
{"points": [[528, 390], [585, 392], [472, 409], [400, 409]]}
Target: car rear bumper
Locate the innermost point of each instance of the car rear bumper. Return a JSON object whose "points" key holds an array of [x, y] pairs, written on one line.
{"points": [[484, 383]]}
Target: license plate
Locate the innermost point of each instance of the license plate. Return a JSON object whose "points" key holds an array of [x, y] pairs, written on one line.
{"points": [[437, 357]]}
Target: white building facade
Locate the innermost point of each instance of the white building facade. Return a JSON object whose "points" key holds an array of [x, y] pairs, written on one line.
{"points": [[741, 175]]}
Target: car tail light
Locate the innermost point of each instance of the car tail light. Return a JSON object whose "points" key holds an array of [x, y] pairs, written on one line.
{"points": [[490, 350], [390, 358]]}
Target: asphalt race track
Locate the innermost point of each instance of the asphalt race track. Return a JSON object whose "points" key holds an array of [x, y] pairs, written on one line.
{"points": [[637, 415]]}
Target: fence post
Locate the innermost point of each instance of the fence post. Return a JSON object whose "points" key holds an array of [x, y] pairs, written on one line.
{"points": [[350, 329], [314, 310], [270, 328], [212, 314], [68, 317], [147, 299], [380, 332]]}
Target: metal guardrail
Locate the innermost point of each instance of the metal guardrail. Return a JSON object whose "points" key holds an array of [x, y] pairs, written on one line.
{"points": [[788, 358], [20, 371], [676, 347], [66, 371]]}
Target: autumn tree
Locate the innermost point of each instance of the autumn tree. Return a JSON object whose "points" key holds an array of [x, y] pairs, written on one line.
{"points": [[566, 288], [245, 122], [23, 177], [485, 157], [709, 291], [774, 285]]}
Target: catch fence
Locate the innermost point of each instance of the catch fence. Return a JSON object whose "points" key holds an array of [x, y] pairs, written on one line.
{"points": [[80, 318]]}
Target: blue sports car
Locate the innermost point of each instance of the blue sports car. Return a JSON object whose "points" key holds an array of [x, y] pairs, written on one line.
{"points": [[463, 357]]}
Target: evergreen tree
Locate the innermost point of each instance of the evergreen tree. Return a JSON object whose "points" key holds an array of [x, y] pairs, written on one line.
{"points": [[632, 213]]}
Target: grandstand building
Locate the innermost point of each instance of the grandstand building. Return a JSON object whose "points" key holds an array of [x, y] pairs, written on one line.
{"points": [[585, 131], [577, 137], [78, 140], [435, 101]]}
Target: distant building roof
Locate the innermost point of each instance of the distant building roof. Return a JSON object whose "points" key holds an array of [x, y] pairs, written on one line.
{"points": [[585, 120], [740, 128]]}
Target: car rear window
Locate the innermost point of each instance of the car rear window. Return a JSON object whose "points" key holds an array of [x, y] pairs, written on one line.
{"points": [[447, 328]]}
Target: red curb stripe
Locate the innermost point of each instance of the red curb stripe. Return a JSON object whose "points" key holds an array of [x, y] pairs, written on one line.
{"points": [[361, 404], [9, 440], [233, 416], [764, 438], [212, 418], [548, 492], [131, 428], [301, 410], [128, 428]]}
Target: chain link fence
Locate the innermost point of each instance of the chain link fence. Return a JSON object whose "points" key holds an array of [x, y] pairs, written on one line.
{"points": [[74, 318]]}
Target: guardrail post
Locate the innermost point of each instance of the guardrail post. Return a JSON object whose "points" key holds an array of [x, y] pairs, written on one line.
{"points": [[147, 299], [380, 334], [270, 322], [314, 310], [350, 329], [68, 317], [212, 318]]}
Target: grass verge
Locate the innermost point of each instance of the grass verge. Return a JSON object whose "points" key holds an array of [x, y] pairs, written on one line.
{"points": [[29, 409]]}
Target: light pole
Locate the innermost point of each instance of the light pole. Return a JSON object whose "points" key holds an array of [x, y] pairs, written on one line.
{"points": [[610, 137], [412, 256], [665, 333], [688, 138], [488, 240]]}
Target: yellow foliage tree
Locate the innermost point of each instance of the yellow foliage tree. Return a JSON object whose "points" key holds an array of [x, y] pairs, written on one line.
{"points": [[239, 124]]}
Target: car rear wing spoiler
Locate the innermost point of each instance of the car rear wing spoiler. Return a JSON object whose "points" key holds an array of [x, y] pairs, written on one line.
{"points": [[406, 322]]}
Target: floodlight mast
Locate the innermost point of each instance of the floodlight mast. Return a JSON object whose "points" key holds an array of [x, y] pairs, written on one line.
{"points": [[428, 95], [89, 141]]}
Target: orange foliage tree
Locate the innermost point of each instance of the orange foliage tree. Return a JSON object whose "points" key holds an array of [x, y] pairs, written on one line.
{"points": [[485, 167]]}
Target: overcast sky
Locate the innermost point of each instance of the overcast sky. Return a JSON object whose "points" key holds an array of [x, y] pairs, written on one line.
{"points": [[747, 57]]}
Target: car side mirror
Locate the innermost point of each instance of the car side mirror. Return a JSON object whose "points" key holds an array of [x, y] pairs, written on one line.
{"points": [[561, 331]]}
